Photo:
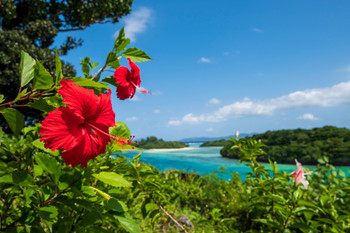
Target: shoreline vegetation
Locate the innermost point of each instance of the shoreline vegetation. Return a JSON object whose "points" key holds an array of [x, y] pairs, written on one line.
{"points": [[153, 142], [284, 146]]}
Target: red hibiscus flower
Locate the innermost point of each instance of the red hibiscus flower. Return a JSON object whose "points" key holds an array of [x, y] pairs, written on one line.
{"points": [[81, 128], [128, 81]]}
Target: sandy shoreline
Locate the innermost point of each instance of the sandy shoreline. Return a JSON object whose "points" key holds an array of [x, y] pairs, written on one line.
{"points": [[174, 149]]}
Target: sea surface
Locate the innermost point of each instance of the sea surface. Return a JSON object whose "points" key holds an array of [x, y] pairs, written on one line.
{"points": [[204, 160]]}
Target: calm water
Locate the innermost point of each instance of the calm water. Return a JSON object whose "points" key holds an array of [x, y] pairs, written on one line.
{"points": [[202, 160]]}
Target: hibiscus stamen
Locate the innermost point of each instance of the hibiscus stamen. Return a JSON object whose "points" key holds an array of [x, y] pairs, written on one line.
{"points": [[141, 89], [111, 136]]}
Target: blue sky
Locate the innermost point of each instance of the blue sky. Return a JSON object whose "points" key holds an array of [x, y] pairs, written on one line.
{"points": [[224, 66]]}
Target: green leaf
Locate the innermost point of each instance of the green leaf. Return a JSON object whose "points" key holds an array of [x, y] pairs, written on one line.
{"points": [[113, 179], [42, 78], [112, 60], [42, 105], [14, 119], [94, 65], [2, 99], [121, 42], [20, 95], [85, 66], [110, 80], [88, 83], [40, 145], [103, 194], [136, 55], [128, 224], [26, 70], [116, 205], [48, 213], [121, 130], [59, 74], [49, 164], [17, 177]]}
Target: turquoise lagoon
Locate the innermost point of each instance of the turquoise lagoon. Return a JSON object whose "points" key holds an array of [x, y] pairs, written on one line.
{"points": [[203, 160]]}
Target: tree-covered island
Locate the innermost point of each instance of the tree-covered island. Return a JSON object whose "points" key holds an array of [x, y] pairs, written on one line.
{"points": [[153, 142], [284, 146]]}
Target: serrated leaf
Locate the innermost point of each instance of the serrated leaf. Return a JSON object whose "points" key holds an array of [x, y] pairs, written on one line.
{"points": [[110, 80], [14, 119], [113, 179], [40, 145], [59, 74], [128, 224], [136, 55], [2, 99], [42, 78], [112, 60], [121, 42], [120, 130], [26, 70], [17, 177], [49, 164]]}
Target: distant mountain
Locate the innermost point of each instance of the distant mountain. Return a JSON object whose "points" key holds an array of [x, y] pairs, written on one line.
{"points": [[208, 139]]}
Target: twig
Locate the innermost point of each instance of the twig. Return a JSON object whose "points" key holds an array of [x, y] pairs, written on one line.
{"points": [[158, 204]]}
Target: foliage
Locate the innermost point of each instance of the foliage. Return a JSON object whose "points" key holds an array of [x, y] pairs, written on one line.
{"points": [[33, 25], [306, 145], [39, 193], [153, 142], [221, 142]]}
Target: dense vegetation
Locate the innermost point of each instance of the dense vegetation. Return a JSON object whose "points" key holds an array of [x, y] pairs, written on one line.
{"points": [[221, 142], [155, 143], [305, 145], [41, 194]]}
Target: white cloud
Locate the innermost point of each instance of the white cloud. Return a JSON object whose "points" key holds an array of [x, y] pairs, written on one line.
{"points": [[135, 98], [136, 23], [209, 130], [213, 101], [317, 97], [204, 60], [257, 30], [156, 111], [134, 118], [308, 116]]}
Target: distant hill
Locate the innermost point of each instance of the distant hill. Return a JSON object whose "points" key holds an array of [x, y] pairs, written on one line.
{"points": [[153, 142], [208, 139], [307, 146]]}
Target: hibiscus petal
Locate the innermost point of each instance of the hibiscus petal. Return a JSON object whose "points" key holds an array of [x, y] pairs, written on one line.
{"points": [[121, 75], [83, 101], [125, 92], [135, 73], [60, 129]]}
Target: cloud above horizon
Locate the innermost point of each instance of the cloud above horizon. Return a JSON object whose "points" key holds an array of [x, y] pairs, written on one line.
{"points": [[308, 116], [213, 101], [204, 60], [318, 97], [136, 23]]}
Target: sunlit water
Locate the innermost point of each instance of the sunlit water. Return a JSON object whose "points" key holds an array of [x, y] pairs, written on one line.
{"points": [[204, 160]]}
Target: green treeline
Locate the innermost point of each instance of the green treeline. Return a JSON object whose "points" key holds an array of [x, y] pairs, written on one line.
{"points": [[155, 143], [307, 146], [221, 142]]}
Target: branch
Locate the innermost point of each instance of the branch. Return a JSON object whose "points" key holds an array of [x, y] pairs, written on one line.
{"points": [[85, 26]]}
